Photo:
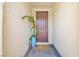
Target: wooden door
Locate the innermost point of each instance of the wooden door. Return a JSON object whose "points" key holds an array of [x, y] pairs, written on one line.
{"points": [[42, 26]]}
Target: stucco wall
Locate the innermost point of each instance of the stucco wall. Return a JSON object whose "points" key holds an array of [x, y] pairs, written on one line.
{"points": [[66, 37], [1, 24], [16, 32]]}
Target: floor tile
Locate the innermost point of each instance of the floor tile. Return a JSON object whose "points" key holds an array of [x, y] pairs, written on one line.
{"points": [[42, 51]]}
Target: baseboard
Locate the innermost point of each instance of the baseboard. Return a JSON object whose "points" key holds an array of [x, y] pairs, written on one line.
{"points": [[25, 55], [55, 50]]}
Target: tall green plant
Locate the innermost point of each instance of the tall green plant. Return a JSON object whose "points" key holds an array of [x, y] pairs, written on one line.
{"points": [[31, 20]]}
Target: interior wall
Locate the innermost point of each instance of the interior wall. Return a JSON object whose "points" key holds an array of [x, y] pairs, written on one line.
{"points": [[45, 6], [1, 22], [16, 32], [66, 38]]}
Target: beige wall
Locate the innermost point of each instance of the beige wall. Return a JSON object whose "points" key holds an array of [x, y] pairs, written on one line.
{"points": [[42, 5], [16, 32], [1, 22], [66, 38], [45, 7]]}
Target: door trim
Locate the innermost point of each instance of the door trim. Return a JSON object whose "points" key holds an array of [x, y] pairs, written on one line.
{"points": [[43, 43]]}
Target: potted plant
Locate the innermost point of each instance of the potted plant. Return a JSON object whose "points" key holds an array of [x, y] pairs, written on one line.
{"points": [[33, 36]]}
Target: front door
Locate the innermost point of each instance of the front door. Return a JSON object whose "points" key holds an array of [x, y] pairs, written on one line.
{"points": [[42, 26]]}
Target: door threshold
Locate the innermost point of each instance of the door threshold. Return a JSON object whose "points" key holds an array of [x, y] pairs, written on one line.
{"points": [[42, 43]]}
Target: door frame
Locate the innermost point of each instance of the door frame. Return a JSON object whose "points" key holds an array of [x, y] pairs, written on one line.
{"points": [[43, 43]]}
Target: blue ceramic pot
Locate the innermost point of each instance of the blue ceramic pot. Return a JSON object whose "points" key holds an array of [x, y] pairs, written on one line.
{"points": [[33, 41]]}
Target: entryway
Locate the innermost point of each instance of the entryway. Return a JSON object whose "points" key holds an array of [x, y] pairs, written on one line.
{"points": [[61, 28], [43, 48]]}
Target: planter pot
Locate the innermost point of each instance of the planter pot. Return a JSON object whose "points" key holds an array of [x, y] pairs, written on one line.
{"points": [[33, 41]]}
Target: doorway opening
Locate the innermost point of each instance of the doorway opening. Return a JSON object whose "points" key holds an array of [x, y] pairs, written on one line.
{"points": [[42, 26]]}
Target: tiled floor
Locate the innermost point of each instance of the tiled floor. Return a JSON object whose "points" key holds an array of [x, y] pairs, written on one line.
{"points": [[42, 51]]}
